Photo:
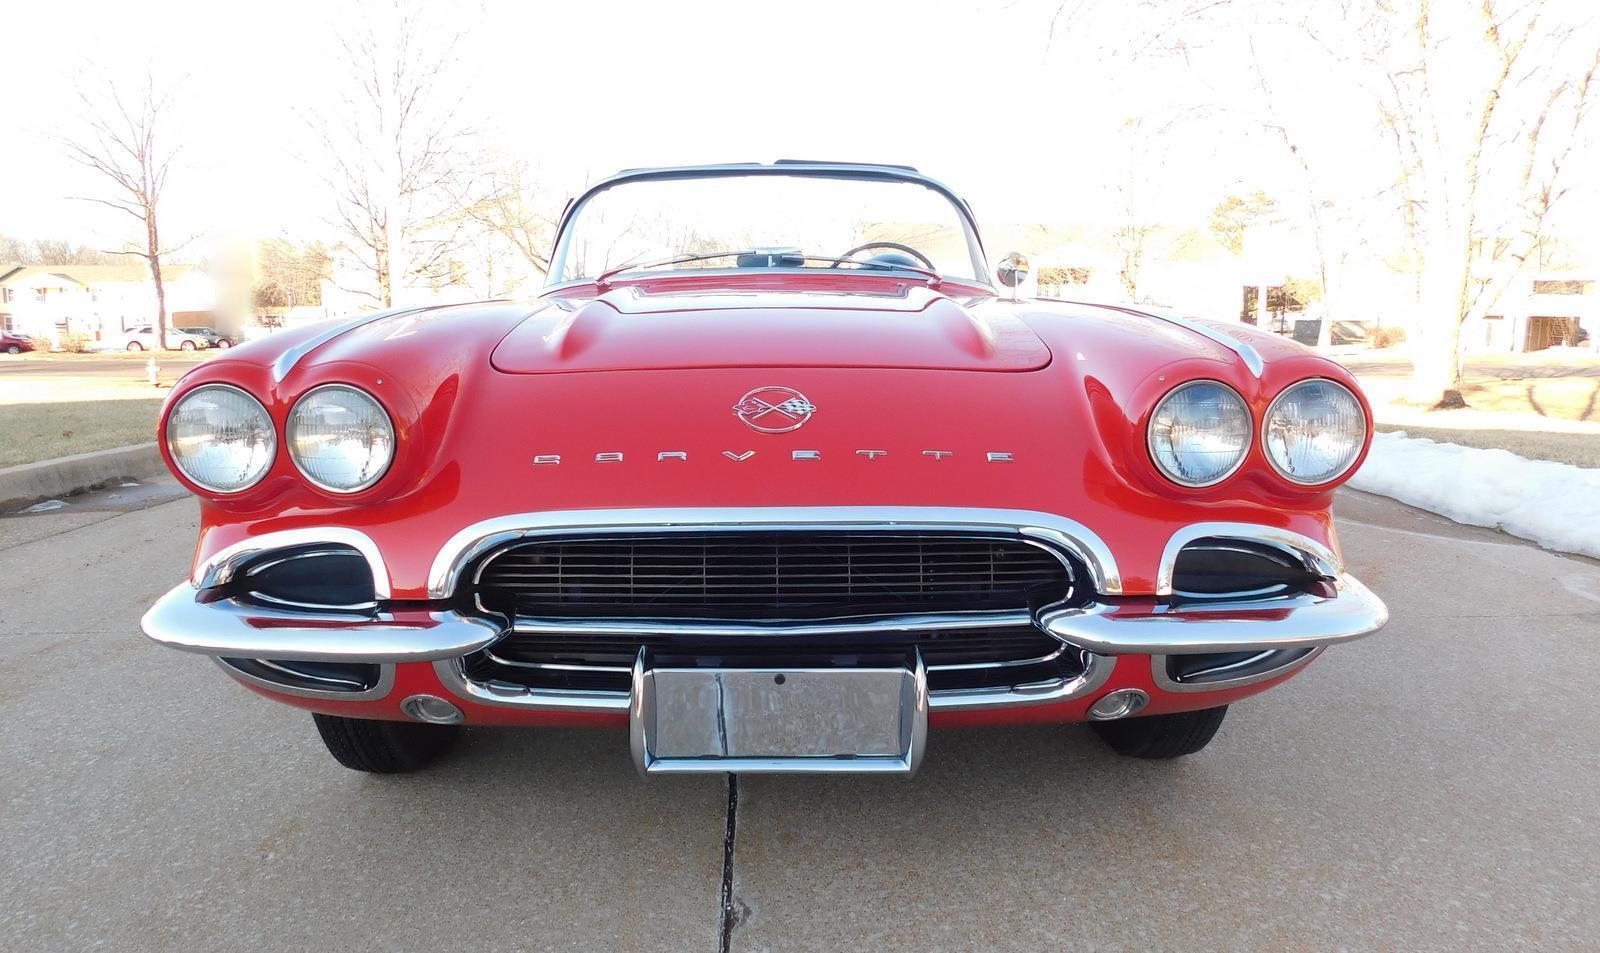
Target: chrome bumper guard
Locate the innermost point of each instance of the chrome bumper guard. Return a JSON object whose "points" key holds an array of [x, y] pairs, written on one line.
{"points": [[229, 629], [1345, 610]]}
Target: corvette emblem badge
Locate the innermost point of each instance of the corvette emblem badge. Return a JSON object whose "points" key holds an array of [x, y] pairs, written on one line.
{"points": [[774, 409]]}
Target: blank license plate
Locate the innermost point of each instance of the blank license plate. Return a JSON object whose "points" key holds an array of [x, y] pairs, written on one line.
{"points": [[779, 720]]}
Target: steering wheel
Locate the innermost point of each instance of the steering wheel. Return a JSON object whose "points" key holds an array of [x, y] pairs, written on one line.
{"points": [[896, 246]]}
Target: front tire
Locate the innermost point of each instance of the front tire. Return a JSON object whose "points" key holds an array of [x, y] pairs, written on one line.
{"points": [[13, 349], [1162, 737], [186, 346], [384, 747], [135, 346]]}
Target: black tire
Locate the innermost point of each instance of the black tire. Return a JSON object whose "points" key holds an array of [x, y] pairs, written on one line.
{"points": [[13, 349], [1160, 737], [186, 346], [135, 346], [384, 747]]}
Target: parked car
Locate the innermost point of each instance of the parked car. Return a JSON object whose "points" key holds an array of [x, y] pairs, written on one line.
{"points": [[779, 500], [144, 339], [13, 344], [213, 337]]}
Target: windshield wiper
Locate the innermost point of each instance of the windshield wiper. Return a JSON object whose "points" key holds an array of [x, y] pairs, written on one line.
{"points": [[603, 280]]}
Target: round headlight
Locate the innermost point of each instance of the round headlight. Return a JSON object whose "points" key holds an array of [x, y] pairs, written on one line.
{"points": [[1199, 433], [340, 438], [1314, 432], [221, 438]]}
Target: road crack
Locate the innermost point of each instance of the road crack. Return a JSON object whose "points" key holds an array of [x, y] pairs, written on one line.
{"points": [[732, 911]]}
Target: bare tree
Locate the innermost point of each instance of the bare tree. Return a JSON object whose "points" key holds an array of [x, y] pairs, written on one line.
{"points": [[511, 207], [396, 145], [1480, 105], [1479, 183], [50, 251], [124, 143], [287, 275]]}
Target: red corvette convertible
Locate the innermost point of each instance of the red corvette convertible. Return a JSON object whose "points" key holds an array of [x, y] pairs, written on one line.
{"points": [[774, 475]]}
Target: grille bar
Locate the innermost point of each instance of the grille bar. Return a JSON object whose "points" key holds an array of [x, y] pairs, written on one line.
{"points": [[738, 575]]}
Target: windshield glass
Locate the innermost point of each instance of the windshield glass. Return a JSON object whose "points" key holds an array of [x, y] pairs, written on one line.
{"points": [[815, 220]]}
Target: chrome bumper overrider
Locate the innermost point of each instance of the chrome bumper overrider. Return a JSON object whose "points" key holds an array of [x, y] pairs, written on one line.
{"points": [[1296, 621], [227, 628]]}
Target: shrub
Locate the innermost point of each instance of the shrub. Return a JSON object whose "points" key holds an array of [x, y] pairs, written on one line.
{"points": [[74, 343], [41, 344], [1385, 337]]}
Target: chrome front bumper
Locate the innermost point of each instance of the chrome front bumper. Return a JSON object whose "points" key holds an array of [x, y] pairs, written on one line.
{"points": [[1126, 627], [190, 618]]}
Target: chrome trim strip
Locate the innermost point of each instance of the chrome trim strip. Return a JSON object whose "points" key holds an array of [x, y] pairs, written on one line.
{"points": [[1069, 535], [1251, 357], [1094, 675], [379, 691], [225, 627], [1158, 672], [286, 361], [220, 567], [452, 675], [778, 627], [1296, 620], [505, 695], [837, 170], [1061, 648], [1315, 556]]}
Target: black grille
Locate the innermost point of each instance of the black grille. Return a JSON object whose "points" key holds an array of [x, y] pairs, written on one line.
{"points": [[767, 575]]}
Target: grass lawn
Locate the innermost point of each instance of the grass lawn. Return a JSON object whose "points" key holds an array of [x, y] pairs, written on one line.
{"points": [[34, 432], [1549, 412]]}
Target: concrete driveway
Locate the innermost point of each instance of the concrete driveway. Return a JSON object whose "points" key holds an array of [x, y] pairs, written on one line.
{"points": [[1434, 787]]}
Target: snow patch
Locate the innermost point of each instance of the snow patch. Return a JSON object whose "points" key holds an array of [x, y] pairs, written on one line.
{"points": [[1553, 504]]}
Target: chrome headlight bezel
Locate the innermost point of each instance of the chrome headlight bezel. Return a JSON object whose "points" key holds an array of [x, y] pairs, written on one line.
{"points": [[1272, 409], [289, 440], [1150, 435], [177, 457]]}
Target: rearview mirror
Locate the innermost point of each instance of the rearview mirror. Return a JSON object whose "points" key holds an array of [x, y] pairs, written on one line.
{"points": [[1012, 270]]}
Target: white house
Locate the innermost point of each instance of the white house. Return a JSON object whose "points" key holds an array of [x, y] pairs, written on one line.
{"points": [[100, 301], [1536, 313]]}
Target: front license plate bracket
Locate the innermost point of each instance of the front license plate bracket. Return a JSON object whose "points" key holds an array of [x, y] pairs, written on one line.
{"points": [[779, 718]]}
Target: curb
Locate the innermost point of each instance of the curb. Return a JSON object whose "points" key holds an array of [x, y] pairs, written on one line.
{"points": [[64, 476]]}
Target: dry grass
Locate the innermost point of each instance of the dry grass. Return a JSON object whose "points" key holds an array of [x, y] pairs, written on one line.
{"points": [[1548, 411], [33, 432], [62, 410]]}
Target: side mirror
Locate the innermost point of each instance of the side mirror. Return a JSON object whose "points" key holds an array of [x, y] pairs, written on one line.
{"points": [[1012, 270]]}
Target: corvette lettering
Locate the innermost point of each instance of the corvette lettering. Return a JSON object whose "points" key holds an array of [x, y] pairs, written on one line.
{"points": [[682, 456]]}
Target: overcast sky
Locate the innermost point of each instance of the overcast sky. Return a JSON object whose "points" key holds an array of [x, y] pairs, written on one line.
{"points": [[1016, 103]]}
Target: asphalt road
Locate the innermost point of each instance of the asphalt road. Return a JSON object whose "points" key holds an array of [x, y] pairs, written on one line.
{"points": [[109, 367], [1435, 787]]}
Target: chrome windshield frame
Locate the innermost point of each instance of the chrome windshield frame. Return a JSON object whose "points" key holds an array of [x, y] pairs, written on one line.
{"points": [[819, 170]]}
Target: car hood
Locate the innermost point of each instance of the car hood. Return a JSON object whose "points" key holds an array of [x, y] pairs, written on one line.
{"points": [[632, 328]]}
